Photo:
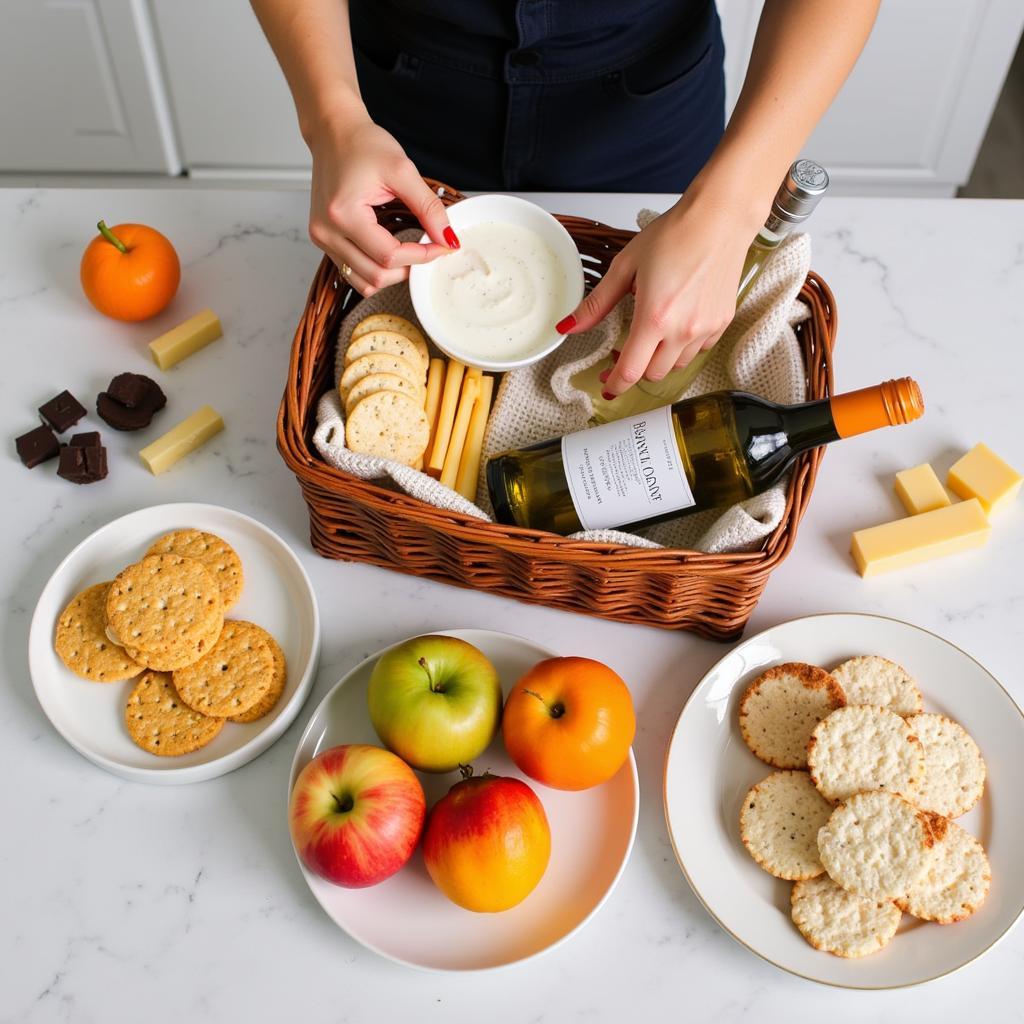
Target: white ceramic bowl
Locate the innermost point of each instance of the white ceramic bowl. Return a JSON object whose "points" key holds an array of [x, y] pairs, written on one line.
{"points": [[510, 210]]}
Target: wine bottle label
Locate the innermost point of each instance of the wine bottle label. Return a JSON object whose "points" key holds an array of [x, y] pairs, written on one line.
{"points": [[626, 471]]}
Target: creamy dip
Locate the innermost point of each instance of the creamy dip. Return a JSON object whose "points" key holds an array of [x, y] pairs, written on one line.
{"points": [[500, 295]]}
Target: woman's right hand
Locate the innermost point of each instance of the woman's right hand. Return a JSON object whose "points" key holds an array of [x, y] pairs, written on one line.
{"points": [[357, 165]]}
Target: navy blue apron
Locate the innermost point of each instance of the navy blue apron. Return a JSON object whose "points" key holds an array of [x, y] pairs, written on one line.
{"points": [[558, 95]]}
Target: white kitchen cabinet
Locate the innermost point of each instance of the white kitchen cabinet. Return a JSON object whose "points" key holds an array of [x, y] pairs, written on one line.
{"points": [[81, 89]]}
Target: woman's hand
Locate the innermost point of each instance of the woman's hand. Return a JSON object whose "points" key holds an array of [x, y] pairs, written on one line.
{"points": [[684, 270], [357, 166]]}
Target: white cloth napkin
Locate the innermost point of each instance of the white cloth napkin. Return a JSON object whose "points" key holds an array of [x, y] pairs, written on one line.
{"points": [[758, 353]]}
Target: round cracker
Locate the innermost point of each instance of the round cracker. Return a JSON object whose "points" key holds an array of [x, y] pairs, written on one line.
{"points": [[875, 845], [374, 382], [862, 748], [389, 425], [235, 674], [956, 876], [781, 708], [779, 824], [177, 656], [160, 722], [871, 679], [82, 643], [380, 363], [269, 700], [388, 343], [954, 770], [839, 922], [390, 322], [216, 554]]}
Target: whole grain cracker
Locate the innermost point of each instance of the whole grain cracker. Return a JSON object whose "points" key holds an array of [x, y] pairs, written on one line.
{"points": [[269, 700], [779, 824], [388, 343], [390, 322], [840, 922], [82, 643], [954, 770], [864, 747], [781, 708], [375, 382], [875, 845], [177, 656], [216, 554], [160, 722], [233, 676], [380, 363], [163, 601], [955, 880], [390, 425], [870, 679]]}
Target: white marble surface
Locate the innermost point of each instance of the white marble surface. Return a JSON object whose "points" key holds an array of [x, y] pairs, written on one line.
{"points": [[126, 902]]}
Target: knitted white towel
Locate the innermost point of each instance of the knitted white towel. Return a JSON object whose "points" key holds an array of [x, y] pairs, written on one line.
{"points": [[758, 353]]}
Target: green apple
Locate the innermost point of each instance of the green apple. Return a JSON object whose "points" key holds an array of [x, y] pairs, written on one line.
{"points": [[435, 701]]}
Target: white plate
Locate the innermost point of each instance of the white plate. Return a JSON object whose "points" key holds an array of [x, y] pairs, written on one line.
{"points": [[277, 596], [406, 918], [709, 770]]}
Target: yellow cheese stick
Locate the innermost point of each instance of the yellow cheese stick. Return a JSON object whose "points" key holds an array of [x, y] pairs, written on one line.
{"points": [[446, 416], [470, 389], [185, 339], [435, 380], [469, 467], [475, 372], [186, 437]]}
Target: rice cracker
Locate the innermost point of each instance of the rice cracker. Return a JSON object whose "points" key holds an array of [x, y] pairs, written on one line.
{"points": [[954, 770], [781, 708], [379, 363], [779, 824], [82, 643], [375, 382], [269, 700], [862, 748], [233, 677], [217, 555], [870, 679], [388, 343], [159, 721], [875, 845], [389, 425], [839, 922]]}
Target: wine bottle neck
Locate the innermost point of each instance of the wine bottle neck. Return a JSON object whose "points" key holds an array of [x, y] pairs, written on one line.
{"points": [[810, 425], [884, 405]]}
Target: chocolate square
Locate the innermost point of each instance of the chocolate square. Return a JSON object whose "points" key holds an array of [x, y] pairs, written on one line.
{"points": [[95, 464], [62, 411], [90, 439], [72, 464], [37, 446]]}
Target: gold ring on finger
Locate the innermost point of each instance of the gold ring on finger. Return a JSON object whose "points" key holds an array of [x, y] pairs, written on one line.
{"points": [[346, 270]]}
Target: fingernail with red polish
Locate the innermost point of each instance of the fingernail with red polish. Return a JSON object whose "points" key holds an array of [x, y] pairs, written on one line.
{"points": [[566, 324], [451, 239], [607, 396]]}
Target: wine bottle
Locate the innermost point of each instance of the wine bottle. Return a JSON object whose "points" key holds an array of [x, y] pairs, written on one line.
{"points": [[794, 202], [700, 453]]}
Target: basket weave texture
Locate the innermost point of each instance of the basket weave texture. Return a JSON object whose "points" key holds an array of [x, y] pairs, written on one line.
{"points": [[359, 520]]}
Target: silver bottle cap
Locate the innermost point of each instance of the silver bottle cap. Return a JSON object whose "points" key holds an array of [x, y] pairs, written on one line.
{"points": [[798, 195]]}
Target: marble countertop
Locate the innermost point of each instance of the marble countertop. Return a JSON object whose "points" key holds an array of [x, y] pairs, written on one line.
{"points": [[121, 901]]}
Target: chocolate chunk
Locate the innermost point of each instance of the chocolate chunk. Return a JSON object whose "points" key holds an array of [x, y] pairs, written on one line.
{"points": [[120, 417], [37, 446], [82, 465], [95, 463], [135, 389], [62, 411], [90, 439]]}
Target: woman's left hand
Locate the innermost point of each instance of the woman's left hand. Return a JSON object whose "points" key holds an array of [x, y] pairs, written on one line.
{"points": [[684, 270]]}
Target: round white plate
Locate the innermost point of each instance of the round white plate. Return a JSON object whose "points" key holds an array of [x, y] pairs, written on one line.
{"points": [[277, 596], [406, 918], [709, 770]]}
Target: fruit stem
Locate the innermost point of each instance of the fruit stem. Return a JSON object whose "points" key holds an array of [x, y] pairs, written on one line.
{"points": [[430, 682], [466, 770], [343, 803], [111, 237], [555, 710]]}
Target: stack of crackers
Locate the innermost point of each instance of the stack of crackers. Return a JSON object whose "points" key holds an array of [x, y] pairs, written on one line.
{"points": [[162, 620], [401, 404], [860, 814]]}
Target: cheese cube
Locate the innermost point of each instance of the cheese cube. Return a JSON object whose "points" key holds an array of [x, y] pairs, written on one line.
{"points": [[983, 475], [185, 339], [186, 437], [920, 489], [920, 538]]}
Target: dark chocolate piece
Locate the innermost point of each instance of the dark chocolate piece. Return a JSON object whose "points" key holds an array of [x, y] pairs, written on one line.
{"points": [[90, 439], [37, 446], [95, 463], [82, 465], [146, 394], [136, 389], [120, 417], [62, 411]]}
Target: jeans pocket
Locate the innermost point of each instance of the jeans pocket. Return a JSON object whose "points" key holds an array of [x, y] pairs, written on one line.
{"points": [[658, 76]]}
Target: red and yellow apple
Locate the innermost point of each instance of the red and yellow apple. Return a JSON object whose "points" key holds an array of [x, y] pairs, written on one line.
{"points": [[487, 843], [356, 814], [435, 701]]}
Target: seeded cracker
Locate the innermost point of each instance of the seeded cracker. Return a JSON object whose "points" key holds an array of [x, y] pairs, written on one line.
{"points": [[954, 770], [216, 555], [177, 656], [375, 382], [397, 324], [82, 643], [873, 680], [781, 708], [388, 343], [269, 700], [779, 824], [838, 922], [390, 425], [379, 363], [159, 721]]}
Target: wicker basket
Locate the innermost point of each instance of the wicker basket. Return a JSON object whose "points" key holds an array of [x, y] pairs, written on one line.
{"points": [[357, 520]]}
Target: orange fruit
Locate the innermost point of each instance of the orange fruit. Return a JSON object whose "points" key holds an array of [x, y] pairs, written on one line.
{"points": [[487, 843], [569, 723]]}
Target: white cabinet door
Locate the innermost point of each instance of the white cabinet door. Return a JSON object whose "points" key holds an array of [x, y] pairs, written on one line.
{"points": [[81, 89], [912, 114], [231, 104]]}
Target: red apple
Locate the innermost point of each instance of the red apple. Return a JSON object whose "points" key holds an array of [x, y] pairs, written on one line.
{"points": [[356, 814]]}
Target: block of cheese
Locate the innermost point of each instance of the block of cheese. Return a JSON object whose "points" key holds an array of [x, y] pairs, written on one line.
{"points": [[182, 341], [920, 489], [983, 475], [186, 437], [920, 538]]}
